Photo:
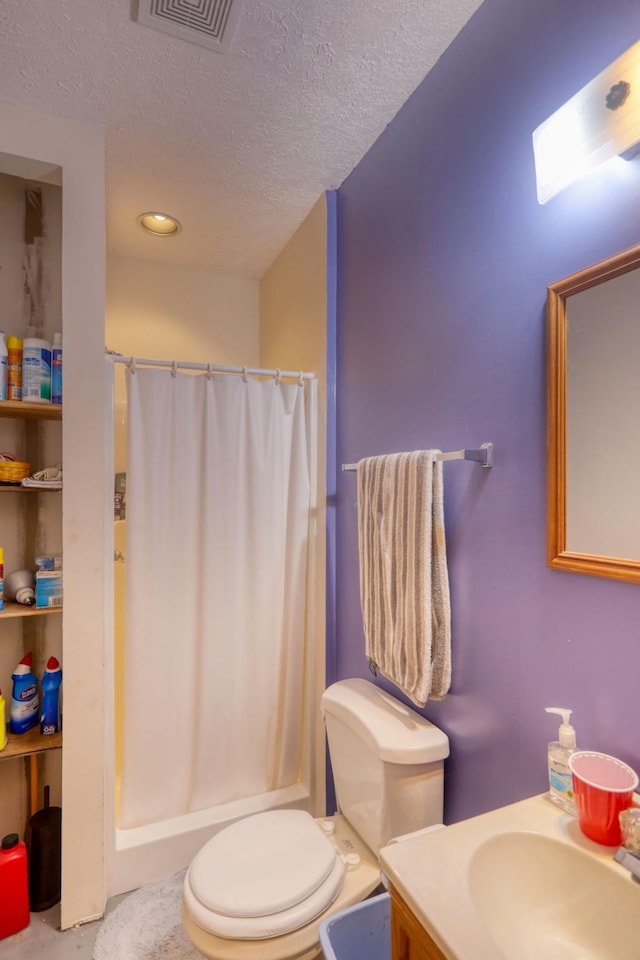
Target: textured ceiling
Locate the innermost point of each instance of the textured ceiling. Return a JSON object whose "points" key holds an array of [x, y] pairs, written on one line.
{"points": [[237, 146]]}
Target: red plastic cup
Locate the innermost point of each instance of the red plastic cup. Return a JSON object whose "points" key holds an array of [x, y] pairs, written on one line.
{"points": [[603, 788]]}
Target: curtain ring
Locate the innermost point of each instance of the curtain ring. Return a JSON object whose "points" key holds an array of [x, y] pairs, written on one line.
{"points": [[209, 372], [300, 380], [174, 369], [132, 365], [244, 375], [278, 377]]}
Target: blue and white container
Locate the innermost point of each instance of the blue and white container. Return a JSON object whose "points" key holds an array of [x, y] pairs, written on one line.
{"points": [[50, 719], [36, 370], [25, 704], [56, 369], [48, 588]]}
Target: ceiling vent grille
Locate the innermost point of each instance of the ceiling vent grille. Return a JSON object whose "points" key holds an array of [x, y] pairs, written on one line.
{"points": [[209, 23]]}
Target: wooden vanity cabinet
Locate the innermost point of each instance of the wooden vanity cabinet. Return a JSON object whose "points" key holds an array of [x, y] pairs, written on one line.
{"points": [[409, 939]]}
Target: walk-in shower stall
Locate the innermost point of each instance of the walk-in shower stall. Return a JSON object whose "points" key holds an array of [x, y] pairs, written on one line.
{"points": [[211, 668]]}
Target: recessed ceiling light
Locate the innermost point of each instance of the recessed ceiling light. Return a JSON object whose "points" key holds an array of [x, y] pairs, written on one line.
{"points": [[159, 224]]}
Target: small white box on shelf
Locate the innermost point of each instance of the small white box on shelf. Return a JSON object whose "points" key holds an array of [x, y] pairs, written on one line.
{"points": [[49, 563]]}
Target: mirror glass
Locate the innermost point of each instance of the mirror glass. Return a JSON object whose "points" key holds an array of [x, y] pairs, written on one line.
{"points": [[594, 419]]}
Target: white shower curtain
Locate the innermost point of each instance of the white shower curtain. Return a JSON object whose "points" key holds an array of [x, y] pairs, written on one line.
{"points": [[219, 499]]}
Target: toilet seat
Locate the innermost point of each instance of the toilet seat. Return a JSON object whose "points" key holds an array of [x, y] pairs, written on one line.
{"points": [[304, 943], [263, 876]]}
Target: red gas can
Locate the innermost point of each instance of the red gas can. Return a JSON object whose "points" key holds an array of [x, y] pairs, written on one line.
{"points": [[14, 886]]}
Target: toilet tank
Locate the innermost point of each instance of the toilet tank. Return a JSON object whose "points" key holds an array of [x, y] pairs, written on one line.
{"points": [[387, 761]]}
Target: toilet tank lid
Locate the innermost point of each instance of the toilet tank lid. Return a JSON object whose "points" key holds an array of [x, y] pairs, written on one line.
{"points": [[396, 732]]}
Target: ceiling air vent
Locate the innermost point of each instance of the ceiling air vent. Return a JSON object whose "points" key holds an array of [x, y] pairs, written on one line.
{"points": [[208, 23]]}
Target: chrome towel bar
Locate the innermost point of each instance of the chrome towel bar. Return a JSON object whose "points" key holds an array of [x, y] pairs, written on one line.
{"points": [[482, 455]]}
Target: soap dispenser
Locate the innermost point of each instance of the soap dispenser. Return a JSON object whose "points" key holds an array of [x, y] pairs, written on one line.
{"points": [[559, 751]]}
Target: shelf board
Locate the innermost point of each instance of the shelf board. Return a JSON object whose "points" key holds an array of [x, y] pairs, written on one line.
{"points": [[12, 610], [23, 410], [18, 488], [26, 744]]}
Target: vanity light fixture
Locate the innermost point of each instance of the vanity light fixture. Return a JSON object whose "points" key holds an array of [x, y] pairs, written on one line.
{"points": [[601, 121], [159, 224]]}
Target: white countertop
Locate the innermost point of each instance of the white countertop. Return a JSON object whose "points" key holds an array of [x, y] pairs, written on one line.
{"points": [[430, 871]]}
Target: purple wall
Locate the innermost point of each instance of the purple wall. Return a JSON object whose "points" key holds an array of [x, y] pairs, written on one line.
{"points": [[444, 259]]}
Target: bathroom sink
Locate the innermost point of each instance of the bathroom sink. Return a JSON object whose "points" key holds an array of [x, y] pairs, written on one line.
{"points": [[518, 883], [541, 897]]}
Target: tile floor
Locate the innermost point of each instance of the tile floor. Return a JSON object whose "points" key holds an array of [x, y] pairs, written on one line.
{"points": [[43, 939]]}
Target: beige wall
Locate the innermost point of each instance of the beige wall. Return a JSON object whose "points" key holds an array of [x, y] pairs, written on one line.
{"points": [[161, 312], [172, 313], [79, 150], [293, 336]]}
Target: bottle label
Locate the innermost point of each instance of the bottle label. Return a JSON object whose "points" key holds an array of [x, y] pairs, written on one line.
{"points": [[14, 374], [4, 370], [24, 713], [36, 374], [28, 693], [560, 779], [56, 375], [50, 717]]}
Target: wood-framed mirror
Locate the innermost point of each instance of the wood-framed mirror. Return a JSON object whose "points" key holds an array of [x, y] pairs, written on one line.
{"points": [[593, 419]]}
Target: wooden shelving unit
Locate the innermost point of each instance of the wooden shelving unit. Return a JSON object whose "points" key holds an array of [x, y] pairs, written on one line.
{"points": [[16, 488], [33, 742], [30, 743], [23, 410], [13, 610]]}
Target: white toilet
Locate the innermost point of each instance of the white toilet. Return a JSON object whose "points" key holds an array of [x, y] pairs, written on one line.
{"points": [[259, 889]]}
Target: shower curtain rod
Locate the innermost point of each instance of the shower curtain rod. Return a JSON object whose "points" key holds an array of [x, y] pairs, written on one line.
{"points": [[208, 367]]}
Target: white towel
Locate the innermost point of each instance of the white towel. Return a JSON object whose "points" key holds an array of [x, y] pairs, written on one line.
{"points": [[404, 583], [50, 477]]}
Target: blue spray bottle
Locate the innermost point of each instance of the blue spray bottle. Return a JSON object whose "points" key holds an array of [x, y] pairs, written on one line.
{"points": [[24, 698], [50, 720]]}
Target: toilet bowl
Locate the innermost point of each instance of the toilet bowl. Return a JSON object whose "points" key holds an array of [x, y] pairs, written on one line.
{"points": [[259, 889]]}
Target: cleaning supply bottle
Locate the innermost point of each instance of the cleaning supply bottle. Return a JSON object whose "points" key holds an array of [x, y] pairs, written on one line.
{"points": [[558, 753], [4, 365], [50, 720], [14, 886], [20, 586], [24, 699], [36, 370], [3, 722], [14, 375], [56, 369]]}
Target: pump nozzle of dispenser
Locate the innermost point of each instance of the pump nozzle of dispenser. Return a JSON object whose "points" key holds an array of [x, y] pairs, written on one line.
{"points": [[566, 733]]}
